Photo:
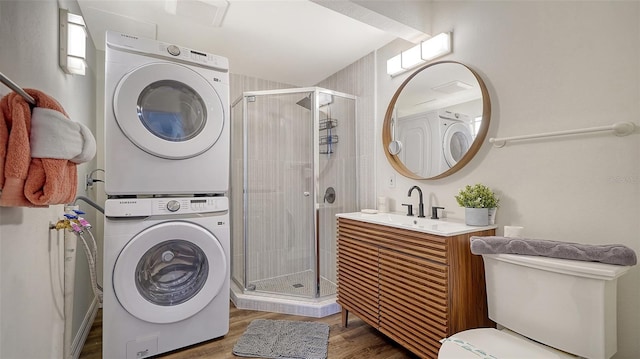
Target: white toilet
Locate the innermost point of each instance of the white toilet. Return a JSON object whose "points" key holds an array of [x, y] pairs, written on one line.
{"points": [[546, 308]]}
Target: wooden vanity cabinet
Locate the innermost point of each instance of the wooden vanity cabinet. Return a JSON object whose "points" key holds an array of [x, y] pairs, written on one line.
{"points": [[414, 287]]}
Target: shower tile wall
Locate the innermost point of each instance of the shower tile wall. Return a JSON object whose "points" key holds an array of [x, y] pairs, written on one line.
{"points": [[279, 157], [337, 170], [356, 79], [238, 85], [242, 83]]}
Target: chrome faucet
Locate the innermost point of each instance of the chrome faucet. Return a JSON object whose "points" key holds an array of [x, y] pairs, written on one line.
{"points": [[421, 205]]}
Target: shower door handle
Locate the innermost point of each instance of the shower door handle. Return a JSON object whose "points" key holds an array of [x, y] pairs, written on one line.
{"points": [[306, 194]]}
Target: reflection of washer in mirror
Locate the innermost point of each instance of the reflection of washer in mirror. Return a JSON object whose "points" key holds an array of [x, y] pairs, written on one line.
{"points": [[395, 146], [456, 141], [330, 195]]}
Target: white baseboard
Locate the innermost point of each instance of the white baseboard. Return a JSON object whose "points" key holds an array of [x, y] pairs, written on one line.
{"points": [[85, 328]]}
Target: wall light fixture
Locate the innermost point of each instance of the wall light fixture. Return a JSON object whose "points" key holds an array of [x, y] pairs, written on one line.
{"points": [[73, 43], [430, 49]]}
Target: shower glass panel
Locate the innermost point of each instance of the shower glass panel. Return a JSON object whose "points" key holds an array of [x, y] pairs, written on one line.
{"points": [[293, 168]]}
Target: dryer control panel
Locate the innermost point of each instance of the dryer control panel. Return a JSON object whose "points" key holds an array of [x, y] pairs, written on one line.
{"points": [[142, 207], [160, 49]]}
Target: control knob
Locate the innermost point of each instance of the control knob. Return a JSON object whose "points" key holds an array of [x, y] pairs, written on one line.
{"points": [[173, 50], [173, 205]]}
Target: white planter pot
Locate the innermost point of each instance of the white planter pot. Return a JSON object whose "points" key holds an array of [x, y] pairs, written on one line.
{"points": [[476, 216], [492, 215]]}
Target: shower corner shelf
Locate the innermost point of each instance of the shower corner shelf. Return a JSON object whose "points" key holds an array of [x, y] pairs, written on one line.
{"points": [[328, 123], [328, 139]]}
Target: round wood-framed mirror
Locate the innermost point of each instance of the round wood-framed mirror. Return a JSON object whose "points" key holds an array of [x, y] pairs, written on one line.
{"points": [[436, 121]]}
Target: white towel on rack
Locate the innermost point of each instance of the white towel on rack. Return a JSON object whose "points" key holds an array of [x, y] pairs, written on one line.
{"points": [[55, 136]]}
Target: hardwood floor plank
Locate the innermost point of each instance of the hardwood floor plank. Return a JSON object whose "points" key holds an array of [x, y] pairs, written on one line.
{"points": [[357, 341]]}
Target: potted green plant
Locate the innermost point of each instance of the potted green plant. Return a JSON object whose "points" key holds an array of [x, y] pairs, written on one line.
{"points": [[478, 201]]}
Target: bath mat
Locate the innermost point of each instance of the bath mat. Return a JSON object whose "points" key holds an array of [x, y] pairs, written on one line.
{"points": [[283, 339]]}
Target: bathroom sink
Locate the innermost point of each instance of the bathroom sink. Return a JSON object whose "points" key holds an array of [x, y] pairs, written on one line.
{"points": [[442, 227]]}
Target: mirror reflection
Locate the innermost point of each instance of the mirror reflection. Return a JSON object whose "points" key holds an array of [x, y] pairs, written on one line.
{"points": [[436, 121]]}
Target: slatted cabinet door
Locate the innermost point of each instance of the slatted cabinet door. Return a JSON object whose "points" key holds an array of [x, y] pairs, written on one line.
{"points": [[358, 279], [413, 301]]}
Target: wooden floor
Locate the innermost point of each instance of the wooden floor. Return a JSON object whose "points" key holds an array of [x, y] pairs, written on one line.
{"points": [[357, 341]]}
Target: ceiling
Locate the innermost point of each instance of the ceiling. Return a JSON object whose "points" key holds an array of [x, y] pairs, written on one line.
{"points": [[298, 42]]}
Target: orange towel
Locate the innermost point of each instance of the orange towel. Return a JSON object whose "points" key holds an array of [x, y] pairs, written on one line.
{"points": [[4, 137], [27, 181], [16, 115]]}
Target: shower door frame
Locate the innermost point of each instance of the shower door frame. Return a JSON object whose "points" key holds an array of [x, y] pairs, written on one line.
{"points": [[316, 168]]}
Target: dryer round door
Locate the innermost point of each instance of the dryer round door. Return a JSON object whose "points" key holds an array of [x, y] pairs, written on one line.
{"points": [[169, 272], [456, 142], [168, 110]]}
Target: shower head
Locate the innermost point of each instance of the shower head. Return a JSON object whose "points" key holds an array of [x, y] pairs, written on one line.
{"points": [[325, 99], [305, 102]]}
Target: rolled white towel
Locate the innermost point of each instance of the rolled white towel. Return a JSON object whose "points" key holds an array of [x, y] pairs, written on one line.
{"points": [[53, 135]]}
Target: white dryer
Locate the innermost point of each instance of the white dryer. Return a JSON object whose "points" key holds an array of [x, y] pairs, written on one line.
{"points": [[166, 274], [166, 118]]}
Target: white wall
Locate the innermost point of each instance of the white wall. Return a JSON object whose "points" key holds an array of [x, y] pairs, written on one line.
{"points": [[31, 307], [549, 66]]}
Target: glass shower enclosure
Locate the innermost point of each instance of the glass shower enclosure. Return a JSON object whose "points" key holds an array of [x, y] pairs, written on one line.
{"points": [[293, 168]]}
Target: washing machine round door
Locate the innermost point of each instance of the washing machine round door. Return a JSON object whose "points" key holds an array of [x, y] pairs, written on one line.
{"points": [[169, 272], [168, 110], [456, 142]]}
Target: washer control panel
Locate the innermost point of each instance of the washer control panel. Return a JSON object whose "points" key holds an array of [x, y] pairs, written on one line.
{"points": [[140, 207]]}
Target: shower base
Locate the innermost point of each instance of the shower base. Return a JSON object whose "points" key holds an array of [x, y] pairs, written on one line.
{"points": [[296, 284], [290, 294]]}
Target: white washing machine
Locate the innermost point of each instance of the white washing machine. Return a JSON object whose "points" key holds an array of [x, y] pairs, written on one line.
{"points": [[166, 274], [455, 139], [166, 119]]}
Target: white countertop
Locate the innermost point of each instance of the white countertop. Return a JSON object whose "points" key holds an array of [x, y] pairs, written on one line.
{"points": [[446, 227]]}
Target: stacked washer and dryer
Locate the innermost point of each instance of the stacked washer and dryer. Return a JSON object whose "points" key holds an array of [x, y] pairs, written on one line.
{"points": [[434, 141], [167, 238]]}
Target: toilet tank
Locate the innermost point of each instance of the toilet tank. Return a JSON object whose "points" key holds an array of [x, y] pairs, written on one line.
{"points": [[566, 304]]}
